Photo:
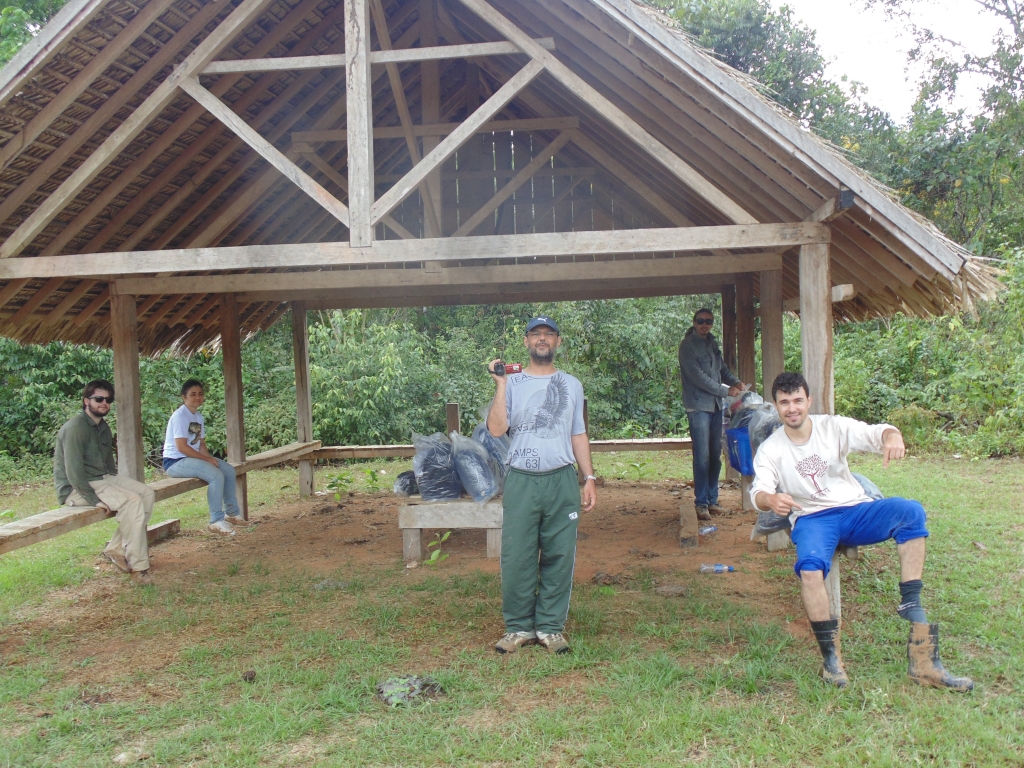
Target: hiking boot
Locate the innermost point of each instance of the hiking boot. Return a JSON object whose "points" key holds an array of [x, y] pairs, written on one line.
{"points": [[142, 578], [513, 641], [236, 520], [718, 509], [553, 641], [221, 527], [924, 667], [703, 514], [119, 560], [827, 635]]}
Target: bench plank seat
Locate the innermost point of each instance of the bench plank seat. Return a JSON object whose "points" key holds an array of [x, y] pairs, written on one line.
{"points": [[55, 522]]}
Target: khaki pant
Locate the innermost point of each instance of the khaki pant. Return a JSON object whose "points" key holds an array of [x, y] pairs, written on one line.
{"points": [[132, 502]]}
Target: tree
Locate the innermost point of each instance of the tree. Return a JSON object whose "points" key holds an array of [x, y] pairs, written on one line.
{"points": [[812, 467]]}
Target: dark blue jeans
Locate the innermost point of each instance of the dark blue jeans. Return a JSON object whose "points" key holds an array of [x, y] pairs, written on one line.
{"points": [[706, 434]]}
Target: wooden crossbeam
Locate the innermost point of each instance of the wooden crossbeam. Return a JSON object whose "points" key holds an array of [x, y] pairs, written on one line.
{"points": [[623, 122], [127, 131], [442, 129], [516, 182], [679, 239], [401, 190], [36, 300], [834, 207], [268, 151]]}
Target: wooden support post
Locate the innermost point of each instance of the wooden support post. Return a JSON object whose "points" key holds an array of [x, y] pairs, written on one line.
{"points": [[586, 427], [234, 421], [494, 543], [746, 359], [773, 357], [360, 122], [728, 341], [303, 396], [430, 104], [131, 460], [453, 421], [816, 325], [729, 326], [412, 544], [748, 503]]}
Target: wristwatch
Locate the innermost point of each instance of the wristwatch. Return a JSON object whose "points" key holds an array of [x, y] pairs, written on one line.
{"points": [[590, 477]]}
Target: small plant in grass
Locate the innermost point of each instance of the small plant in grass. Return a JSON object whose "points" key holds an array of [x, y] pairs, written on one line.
{"points": [[234, 567], [436, 556], [339, 484], [640, 469], [373, 480]]}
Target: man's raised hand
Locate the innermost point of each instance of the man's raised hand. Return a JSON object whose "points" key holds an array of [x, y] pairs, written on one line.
{"points": [[781, 503], [892, 446], [490, 369]]}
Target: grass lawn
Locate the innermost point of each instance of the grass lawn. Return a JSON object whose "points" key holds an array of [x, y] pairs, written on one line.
{"points": [[715, 678]]}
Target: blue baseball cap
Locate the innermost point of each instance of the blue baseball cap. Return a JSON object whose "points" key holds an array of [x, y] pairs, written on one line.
{"points": [[537, 322]]}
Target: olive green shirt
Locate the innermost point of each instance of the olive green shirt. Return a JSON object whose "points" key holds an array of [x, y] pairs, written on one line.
{"points": [[84, 452]]}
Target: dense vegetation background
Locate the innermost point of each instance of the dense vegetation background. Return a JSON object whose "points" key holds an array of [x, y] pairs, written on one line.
{"points": [[952, 383]]}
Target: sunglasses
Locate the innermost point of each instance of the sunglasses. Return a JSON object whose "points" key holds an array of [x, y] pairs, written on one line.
{"points": [[704, 321], [98, 399]]}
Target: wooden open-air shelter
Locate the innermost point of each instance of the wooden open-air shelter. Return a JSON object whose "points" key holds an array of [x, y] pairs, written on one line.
{"points": [[177, 171]]}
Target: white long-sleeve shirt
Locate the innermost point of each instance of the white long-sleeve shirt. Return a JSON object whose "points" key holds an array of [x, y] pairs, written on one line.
{"points": [[816, 474]]}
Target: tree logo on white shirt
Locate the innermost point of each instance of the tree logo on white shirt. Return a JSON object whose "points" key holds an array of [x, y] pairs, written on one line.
{"points": [[813, 467]]}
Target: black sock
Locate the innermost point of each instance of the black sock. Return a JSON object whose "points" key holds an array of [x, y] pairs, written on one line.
{"points": [[910, 602]]}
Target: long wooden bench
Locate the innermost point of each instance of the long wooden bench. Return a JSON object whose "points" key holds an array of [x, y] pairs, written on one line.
{"points": [[56, 522]]}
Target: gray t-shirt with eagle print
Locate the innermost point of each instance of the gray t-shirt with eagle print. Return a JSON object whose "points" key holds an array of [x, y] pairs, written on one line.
{"points": [[543, 414]]}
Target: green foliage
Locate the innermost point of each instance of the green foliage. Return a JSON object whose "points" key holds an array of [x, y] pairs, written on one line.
{"points": [[339, 483], [436, 557]]}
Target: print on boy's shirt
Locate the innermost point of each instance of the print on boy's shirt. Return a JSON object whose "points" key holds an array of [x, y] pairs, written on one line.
{"points": [[812, 468]]}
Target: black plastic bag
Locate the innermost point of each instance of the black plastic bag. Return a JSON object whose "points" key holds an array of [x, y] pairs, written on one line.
{"points": [[477, 468], [434, 466], [405, 484]]}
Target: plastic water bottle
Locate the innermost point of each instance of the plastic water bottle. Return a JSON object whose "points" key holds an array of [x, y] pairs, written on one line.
{"points": [[716, 568], [707, 530]]}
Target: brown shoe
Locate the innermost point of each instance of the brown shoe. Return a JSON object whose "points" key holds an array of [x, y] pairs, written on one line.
{"points": [[718, 510], [703, 514], [119, 560], [142, 578], [513, 641], [925, 667]]}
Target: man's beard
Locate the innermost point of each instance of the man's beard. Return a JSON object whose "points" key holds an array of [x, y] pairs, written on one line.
{"points": [[93, 413], [542, 358]]}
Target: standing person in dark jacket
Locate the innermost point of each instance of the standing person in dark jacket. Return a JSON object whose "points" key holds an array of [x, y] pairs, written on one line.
{"points": [[706, 380], [85, 475]]}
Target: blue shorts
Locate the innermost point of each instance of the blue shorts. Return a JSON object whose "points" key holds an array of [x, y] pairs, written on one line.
{"points": [[817, 535]]}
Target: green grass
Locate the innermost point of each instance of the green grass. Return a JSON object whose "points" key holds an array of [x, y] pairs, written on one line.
{"points": [[712, 677]]}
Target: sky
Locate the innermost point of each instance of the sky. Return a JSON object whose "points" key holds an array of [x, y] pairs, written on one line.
{"points": [[867, 47]]}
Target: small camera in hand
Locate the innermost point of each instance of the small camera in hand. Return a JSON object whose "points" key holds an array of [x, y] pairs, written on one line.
{"points": [[502, 368]]}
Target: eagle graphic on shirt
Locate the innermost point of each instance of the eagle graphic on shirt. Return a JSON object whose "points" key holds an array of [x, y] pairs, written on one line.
{"points": [[546, 411]]}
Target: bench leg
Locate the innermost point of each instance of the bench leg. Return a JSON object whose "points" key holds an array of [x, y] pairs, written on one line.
{"points": [[494, 543], [412, 544], [748, 503], [779, 540], [835, 603]]}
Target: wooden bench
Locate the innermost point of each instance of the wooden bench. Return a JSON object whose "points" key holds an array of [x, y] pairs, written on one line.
{"points": [[48, 525], [417, 514]]}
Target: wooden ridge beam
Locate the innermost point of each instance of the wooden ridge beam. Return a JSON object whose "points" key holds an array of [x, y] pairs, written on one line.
{"points": [[679, 239]]}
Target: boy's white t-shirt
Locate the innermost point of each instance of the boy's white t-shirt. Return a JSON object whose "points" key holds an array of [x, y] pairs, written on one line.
{"points": [[816, 474], [183, 423]]}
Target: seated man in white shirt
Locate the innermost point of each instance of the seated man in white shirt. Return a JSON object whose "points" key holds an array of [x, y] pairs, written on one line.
{"points": [[802, 471]]}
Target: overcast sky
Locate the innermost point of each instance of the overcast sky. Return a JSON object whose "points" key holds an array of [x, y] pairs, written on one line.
{"points": [[865, 46]]}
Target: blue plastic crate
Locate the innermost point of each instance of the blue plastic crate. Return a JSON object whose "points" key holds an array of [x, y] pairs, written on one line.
{"points": [[741, 457]]}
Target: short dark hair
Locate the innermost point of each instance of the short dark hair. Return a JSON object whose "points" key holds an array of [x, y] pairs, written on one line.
{"points": [[703, 311], [93, 386], [789, 383], [189, 384]]}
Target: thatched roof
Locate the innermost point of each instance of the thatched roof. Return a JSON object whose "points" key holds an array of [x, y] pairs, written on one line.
{"points": [[185, 180]]}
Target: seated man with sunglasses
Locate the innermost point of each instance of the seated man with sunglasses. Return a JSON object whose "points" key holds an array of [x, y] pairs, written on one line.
{"points": [[85, 474]]}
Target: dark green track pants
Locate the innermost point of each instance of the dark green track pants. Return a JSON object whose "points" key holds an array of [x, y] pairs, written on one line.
{"points": [[541, 511]]}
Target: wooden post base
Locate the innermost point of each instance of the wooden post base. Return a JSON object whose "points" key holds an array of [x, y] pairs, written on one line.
{"points": [[687, 526], [165, 530]]}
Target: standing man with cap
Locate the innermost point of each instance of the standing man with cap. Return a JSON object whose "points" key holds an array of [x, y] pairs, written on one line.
{"points": [[706, 380], [85, 474], [542, 411]]}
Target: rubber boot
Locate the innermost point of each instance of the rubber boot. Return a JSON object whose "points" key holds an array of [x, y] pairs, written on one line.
{"points": [[925, 668], [827, 635]]}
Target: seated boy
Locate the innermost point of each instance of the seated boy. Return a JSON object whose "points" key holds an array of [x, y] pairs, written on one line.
{"points": [[802, 471]]}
